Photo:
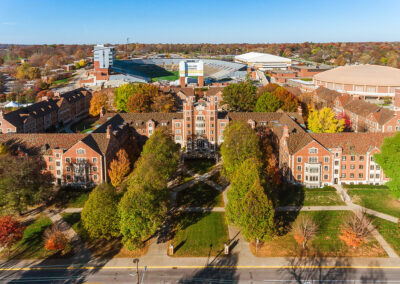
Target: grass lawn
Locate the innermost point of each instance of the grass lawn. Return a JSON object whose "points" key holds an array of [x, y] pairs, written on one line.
{"points": [[70, 197], [199, 166], [32, 244], [376, 199], [61, 82], [86, 125], [389, 231], [172, 77], [200, 234], [326, 242], [326, 196], [184, 178], [200, 195], [99, 247]]}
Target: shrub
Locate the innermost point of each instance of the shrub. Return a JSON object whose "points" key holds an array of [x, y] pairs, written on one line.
{"points": [[55, 240]]}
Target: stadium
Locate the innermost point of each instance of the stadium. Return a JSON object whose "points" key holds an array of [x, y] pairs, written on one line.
{"points": [[158, 69], [366, 81]]}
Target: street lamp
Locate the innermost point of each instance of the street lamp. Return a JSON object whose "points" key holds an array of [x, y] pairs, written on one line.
{"points": [[136, 260]]}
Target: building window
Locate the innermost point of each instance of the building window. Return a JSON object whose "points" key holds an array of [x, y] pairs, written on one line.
{"points": [[188, 125], [352, 167], [50, 159], [326, 168], [378, 168], [95, 169], [351, 175], [68, 160], [336, 163], [177, 131], [51, 168], [343, 167], [343, 176], [336, 172], [58, 172], [389, 128], [299, 159], [177, 124], [313, 151], [68, 169], [94, 160], [299, 168], [178, 137], [372, 167], [57, 155], [313, 159], [360, 175], [372, 158], [377, 175], [80, 151], [68, 177], [361, 158], [352, 158], [325, 177], [361, 167], [223, 124], [58, 164], [298, 177], [343, 158], [95, 177], [326, 159]]}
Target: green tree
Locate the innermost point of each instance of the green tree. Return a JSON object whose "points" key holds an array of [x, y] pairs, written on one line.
{"points": [[242, 181], [268, 103], [22, 183], [389, 160], [257, 221], [100, 212], [240, 144], [123, 93], [324, 121], [142, 212], [240, 96]]}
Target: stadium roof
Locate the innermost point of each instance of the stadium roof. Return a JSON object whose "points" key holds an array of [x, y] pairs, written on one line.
{"points": [[373, 75], [261, 57]]}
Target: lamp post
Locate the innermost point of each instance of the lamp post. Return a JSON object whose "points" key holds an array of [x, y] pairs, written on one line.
{"points": [[136, 260]]}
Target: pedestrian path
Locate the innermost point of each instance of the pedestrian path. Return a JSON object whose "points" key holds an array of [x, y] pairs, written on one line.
{"points": [[313, 208], [74, 239], [359, 211], [202, 209]]}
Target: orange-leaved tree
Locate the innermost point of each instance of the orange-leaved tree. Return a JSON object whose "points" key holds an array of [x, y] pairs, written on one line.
{"points": [[55, 240], [119, 167], [98, 101]]}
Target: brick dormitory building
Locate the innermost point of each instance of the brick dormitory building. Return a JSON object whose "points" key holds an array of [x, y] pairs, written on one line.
{"points": [[304, 158]]}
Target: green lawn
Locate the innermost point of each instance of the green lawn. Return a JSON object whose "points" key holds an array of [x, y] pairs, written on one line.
{"points": [[376, 199], [292, 195], [101, 247], [85, 126], [184, 178], [326, 241], [174, 76], [200, 234], [32, 244], [199, 166], [389, 231], [326, 196], [200, 195], [70, 197], [61, 82]]}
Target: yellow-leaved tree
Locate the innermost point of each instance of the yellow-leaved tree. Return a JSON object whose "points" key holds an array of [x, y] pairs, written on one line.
{"points": [[324, 121], [98, 101], [119, 167]]}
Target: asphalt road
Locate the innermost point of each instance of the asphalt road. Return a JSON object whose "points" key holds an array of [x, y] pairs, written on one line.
{"points": [[206, 275]]}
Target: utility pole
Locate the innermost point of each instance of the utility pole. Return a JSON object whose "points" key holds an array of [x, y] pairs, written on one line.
{"points": [[136, 260]]}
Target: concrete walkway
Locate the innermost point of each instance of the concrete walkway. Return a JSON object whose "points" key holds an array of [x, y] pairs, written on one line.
{"points": [[359, 211], [313, 208], [201, 209], [74, 239]]}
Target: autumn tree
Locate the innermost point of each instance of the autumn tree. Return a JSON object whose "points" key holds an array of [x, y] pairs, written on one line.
{"points": [[123, 93], [11, 231], [304, 229], [257, 222], [289, 101], [23, 183], [119, 167], [240, 144], [355, 230], [100, 213], [389, 160], [98, 101], [139, 103], [324, 121], [54, 239], [240, 96], [268, 103], [163, 103]]}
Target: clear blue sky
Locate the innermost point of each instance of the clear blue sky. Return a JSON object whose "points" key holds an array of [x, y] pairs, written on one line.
{"points": [[216, 21]]}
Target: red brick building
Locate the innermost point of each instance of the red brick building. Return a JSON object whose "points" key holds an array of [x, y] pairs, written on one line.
{"points": [[49, 113]]}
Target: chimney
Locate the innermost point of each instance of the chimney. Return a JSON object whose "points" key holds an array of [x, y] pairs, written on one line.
{"points": [[108, 131], [285, 134], [396, 101], [102, 111], [300, 110], [57, 94]]}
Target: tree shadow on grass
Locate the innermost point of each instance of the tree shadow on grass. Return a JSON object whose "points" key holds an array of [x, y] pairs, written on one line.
{"points": [[289, 195]]}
